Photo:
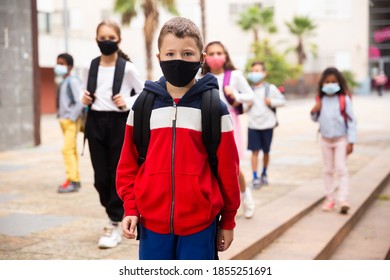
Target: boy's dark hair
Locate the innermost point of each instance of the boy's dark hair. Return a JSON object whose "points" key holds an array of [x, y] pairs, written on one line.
{"points": [[339, 76], [67, 57], [181, 27], [228, 64], [257, 62]]}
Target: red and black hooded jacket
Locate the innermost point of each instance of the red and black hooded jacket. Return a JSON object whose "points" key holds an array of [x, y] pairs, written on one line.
{"points": [[174, 190]]}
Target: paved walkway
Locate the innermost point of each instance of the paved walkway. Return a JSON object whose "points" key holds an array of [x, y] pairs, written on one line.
{"points": [[38, 223]]}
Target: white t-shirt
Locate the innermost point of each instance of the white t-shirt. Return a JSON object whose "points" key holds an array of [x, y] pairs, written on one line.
{"points": [[260, 116], [103, 100]]}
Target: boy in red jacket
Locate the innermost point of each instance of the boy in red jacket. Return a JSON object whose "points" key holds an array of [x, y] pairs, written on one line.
{"points": [[174, 195]]}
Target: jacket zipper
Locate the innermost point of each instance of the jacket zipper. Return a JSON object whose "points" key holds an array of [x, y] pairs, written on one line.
{"points": [[174, 115]]}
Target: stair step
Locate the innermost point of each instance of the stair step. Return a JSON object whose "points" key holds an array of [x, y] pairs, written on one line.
{"points": [[326, 231], [273, 219], [370, 237]]}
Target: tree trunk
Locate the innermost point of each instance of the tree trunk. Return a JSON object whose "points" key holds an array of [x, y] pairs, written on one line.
{"points": [[301, 52], [301, 87], [255, 35], [203, 18], [151, 23]]}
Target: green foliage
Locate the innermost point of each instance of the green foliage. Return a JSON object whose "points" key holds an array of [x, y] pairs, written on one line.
{"points": [[170, 5], [301, 26], [127, 10], [255, 18], [350, 79], [278, 70]]}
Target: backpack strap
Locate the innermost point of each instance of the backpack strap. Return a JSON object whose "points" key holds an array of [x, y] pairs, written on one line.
{"points": [[120, 66], [92, 76], [226, 82], [69, 90], [211, 126], [142, 112], [91, 87], [267, 90], [343, 106]]}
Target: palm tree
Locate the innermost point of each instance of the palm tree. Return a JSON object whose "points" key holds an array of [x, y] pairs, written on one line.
{"points": [[255, 19], [127, 9], [302, 27]]}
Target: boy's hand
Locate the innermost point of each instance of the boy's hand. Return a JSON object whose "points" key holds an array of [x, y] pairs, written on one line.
{"points": [[349, 148], [119, 101], [87, 99], [225, 239], [129, 224], [267, 102]]}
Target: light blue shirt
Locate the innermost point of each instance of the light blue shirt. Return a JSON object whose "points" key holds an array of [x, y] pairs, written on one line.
{"points": [[332, 123]]}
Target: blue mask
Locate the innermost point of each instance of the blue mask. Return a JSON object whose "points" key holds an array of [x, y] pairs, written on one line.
{"points": [[331, 88], [255, 77], [60, 70]]}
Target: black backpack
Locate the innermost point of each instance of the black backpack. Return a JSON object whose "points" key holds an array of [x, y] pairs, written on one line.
{"points": [[211, 124]]}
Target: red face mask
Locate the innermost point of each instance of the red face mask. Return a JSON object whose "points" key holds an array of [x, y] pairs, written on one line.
{"points": [[215, 62]]}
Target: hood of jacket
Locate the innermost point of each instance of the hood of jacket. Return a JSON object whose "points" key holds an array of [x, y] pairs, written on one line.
{"points": [[203, 84]]}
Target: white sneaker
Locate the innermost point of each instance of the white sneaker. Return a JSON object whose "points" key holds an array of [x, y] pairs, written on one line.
{"points": [[112, 236], [249, 204]]}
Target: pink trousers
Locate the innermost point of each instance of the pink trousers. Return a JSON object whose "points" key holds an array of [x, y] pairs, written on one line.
{"points": [[334, 154]]}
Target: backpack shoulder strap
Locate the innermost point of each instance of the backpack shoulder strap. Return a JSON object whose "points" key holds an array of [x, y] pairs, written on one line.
{"points": [[266, 94], [211, 126], [266, 88], [142, 112], [342, 105], [92, 75], [343, 110], [69, 91], [118, 75], [226, 82]]}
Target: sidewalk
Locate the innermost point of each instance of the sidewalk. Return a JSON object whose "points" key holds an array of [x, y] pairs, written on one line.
{"points": [[38, 223]]}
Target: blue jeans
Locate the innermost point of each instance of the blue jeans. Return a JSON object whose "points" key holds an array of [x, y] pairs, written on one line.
{"points": [[197, 246]]}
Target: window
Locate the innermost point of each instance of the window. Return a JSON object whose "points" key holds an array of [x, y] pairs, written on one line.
{"points": [[44, 22]]}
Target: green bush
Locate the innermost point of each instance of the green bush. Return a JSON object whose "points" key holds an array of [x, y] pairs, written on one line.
{"points": [[350, 79], [278, 70]]}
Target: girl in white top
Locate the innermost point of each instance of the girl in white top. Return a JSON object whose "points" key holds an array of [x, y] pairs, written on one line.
{"points": [[106, 123], [237, 91]]}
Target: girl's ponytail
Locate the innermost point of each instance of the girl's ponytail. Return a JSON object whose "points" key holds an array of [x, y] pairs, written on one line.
{"points": [[123, 55]]}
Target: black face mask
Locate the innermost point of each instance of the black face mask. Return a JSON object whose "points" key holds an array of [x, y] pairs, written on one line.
{"points": [[179, 72], [107, 47]]}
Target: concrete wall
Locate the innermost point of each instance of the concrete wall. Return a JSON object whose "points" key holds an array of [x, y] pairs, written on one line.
{"points": [[17, 125]]}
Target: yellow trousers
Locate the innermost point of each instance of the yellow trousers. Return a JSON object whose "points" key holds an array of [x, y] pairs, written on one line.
{"points": [[69, 149]]}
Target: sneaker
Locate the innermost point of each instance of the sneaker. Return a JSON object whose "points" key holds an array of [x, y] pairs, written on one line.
{"points": [[249, 204], [344, 208], [256, 183], [112, 236], [64, 184], [69, 187], [328, 205], [264, 180]]}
